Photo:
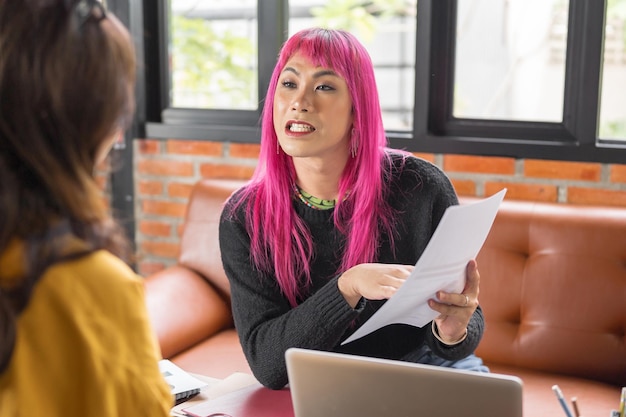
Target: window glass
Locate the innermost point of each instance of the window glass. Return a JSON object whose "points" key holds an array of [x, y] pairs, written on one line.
{"points": [[213, 54], [510, 59], [387, 29], [613, 94]]}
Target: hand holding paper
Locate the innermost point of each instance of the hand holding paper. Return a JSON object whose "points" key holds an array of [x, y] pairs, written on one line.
{"points": [[457, 240]]}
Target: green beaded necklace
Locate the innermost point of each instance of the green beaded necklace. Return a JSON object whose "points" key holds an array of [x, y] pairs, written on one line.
{"points": [[313, 202]]}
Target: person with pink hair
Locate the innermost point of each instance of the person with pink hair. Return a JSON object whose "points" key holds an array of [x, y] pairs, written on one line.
{"points": [[333, 221]]}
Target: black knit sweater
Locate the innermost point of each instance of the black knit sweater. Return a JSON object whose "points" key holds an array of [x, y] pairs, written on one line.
{"points": [[267, 325]]}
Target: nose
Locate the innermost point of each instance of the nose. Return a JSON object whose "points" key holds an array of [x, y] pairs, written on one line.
{"points": [[301, 102]]}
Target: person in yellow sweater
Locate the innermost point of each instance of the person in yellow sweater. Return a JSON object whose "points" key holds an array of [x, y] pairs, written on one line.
{"points": [[75, 337]]}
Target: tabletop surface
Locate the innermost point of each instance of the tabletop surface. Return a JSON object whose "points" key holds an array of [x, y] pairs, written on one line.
{"points": [[225, 392]]}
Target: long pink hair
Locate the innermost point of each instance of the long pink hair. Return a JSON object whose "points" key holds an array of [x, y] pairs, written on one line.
{"points": [[280, 241]]}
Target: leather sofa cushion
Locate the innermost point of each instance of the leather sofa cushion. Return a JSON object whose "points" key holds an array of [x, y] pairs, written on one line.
{"points": [[553, 289], [218, 356], [594, 398], [184, 309]]}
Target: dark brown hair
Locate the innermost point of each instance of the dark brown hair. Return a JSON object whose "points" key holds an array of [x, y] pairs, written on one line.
{"points": [[67, 70]]}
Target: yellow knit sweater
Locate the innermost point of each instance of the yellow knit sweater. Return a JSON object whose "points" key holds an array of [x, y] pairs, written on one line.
{"points": [[84, 343]]}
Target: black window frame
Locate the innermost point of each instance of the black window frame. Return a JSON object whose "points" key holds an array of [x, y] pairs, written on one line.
{"points": [[435, 130], [164, 121]]}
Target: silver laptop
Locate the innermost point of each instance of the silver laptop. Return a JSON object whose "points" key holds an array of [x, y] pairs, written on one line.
{"points": [[325, 384]]}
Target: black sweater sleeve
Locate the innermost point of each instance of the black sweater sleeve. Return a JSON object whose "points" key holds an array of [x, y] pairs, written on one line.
{"points": [[266, 323]]}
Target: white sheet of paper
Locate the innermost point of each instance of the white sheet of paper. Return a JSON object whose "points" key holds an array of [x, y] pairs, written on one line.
{"points": [[457, 240]]}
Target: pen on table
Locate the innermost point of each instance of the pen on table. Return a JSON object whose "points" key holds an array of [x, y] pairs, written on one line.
{"points": [[575, 406], [559, 396]]}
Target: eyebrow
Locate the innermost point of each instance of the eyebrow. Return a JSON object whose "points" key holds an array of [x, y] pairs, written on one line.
{"points": [[317, 74]]}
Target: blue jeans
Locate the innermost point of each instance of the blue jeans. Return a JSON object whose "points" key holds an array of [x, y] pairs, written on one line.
{"points": [[469, 363]]}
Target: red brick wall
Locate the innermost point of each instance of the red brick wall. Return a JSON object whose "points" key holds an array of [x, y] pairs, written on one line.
{"points": [[165, 171]]}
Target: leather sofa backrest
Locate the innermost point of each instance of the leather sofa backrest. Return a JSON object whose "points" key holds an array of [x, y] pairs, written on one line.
{"points": [[553, 290], [199, 245]]}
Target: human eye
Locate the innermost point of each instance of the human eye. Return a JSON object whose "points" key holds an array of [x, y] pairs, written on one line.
{"points": [[288, 84], [325, 87]]}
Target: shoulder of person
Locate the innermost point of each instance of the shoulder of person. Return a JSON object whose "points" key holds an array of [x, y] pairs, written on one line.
{"points": [[405, 166], [236, 206], [98, 272], [243, 195]]}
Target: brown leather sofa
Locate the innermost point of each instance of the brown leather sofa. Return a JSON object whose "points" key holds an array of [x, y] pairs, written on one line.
{"points": [[553, 290]]}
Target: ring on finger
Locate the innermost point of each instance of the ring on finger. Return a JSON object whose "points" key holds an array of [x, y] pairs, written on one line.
{"points": [[466, 300]]}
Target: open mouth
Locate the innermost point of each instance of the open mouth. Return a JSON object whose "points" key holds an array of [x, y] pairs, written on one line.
{"points": [[300, 127]]}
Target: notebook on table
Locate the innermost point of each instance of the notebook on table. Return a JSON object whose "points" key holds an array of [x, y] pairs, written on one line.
{"points": [[326, 384]]}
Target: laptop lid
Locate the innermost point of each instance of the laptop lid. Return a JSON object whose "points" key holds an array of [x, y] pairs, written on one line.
{"points": [[182, 385], [327, 384]]}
